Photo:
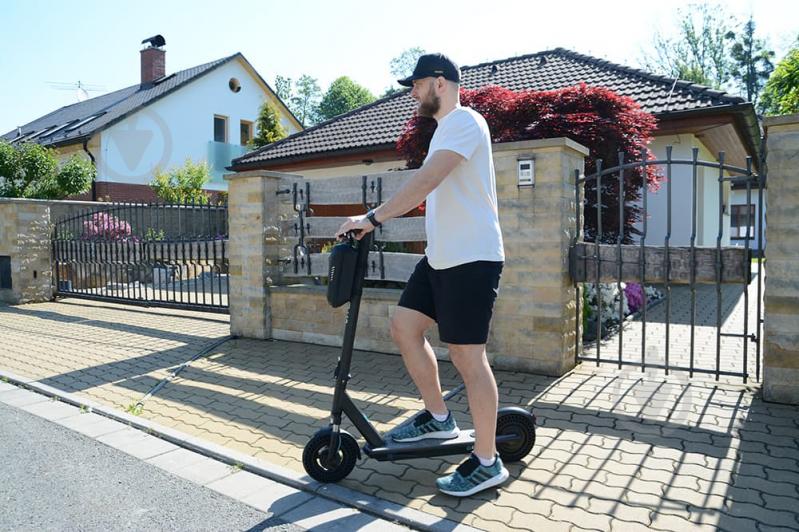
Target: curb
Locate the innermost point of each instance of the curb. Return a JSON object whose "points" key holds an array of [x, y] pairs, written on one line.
{"points": [[365, 503]]}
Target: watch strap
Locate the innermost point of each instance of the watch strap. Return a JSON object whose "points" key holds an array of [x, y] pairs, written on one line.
{"points": [[371, 217]]}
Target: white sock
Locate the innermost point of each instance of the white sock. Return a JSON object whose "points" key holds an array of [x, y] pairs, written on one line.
{"points": [[486, 462], [441, 417]]}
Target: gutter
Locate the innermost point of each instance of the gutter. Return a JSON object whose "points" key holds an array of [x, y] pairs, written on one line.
{"points": [[745, 118], [263, 164], [94, 163]]}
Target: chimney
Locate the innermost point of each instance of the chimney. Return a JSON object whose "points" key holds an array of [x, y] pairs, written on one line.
{"points": [[153, 59]]}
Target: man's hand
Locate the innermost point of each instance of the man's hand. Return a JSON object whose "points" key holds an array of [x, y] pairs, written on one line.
{"points": [[358, 224]]}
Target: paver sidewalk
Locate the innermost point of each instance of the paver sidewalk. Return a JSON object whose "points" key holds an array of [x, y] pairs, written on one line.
{"points": [[622, 451]]}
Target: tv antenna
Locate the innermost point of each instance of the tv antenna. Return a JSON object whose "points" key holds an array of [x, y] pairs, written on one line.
{"points": [[81, 89]]}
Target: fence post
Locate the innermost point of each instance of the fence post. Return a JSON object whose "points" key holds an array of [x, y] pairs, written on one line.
{"points": [[535, 327], [25, 251], [254, 210], [781, 327]]}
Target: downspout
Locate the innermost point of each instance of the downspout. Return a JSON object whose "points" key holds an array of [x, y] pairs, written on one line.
{"points": [[94, 163]]}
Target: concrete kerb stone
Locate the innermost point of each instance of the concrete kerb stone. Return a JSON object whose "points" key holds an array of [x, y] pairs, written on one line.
{"points": [[340, 494]]}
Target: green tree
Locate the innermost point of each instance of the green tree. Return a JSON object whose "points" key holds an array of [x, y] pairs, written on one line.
{"points": [[304, 101], [268, 125], [74, 177], [283, 88], [402, 66], [343, 95], [183, 184], [389, 91], [751, 62], [699, 51], [32, 171], [781, 93]]}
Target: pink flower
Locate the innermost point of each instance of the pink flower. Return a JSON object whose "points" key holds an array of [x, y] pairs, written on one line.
{"points": [[635, 296]]}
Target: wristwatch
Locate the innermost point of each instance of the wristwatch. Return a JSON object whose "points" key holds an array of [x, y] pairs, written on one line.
{"points": [[371, 217]]}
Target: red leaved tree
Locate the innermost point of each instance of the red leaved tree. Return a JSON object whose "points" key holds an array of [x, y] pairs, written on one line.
{"points": [[599, 119]]}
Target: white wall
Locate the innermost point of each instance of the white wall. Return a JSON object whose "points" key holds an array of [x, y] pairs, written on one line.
{"points": [[179, 126], [682, 197]]}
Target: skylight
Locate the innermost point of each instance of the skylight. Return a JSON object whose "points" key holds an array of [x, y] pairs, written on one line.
{"points": [[56, 130], [83, 122]]}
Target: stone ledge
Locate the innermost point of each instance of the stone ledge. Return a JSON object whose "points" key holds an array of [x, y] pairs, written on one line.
{"points": [[783, 120], [539, 144], [384, 294]]}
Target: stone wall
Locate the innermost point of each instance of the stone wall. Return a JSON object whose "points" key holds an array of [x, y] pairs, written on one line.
{"points": [[781, 327], [25, 238], [534, 319]]}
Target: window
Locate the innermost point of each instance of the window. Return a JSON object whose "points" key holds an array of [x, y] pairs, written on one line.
{"points": [[246, 132], [739, 221], [220, 128]]}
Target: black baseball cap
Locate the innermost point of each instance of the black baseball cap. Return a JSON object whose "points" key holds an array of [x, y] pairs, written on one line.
{"points": [[433, 65]]}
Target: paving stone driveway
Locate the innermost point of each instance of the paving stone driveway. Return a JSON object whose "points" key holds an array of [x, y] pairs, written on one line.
{"points": [[622, 451], [734, 320]]}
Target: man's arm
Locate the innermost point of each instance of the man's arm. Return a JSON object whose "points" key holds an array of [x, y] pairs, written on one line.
{"points": [[423, 182]]}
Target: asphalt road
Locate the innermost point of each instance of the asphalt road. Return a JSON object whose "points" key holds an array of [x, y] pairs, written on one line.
{"points": [[52, 478]]}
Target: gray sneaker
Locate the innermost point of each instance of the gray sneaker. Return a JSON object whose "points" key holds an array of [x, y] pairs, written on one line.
{"points": [[425, 426]]}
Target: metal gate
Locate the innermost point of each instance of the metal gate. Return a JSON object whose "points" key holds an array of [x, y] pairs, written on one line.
{"points": [[707, 282], [169, 255]]}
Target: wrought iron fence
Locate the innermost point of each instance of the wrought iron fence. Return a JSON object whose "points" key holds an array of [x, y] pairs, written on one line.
{"points": [[603, 263], [171, 255]]}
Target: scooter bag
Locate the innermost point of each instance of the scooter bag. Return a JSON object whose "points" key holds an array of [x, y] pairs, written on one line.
{"points": [[341, 273]]}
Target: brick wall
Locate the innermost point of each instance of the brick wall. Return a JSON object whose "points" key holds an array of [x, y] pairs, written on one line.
{"points": [[125, 192]]}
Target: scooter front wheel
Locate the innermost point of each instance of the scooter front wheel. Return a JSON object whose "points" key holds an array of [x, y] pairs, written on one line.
{"points": [[315, 457]]}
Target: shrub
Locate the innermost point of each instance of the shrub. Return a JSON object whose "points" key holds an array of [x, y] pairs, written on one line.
{"points": [[32, 171], [603, 121], [183, 184], [104, 226]]}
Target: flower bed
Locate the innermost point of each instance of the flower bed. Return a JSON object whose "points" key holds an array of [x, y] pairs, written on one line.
{"points": [[629, 300]]}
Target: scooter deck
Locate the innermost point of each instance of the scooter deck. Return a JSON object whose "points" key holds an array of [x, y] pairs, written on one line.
{"points": [[391, 450]]}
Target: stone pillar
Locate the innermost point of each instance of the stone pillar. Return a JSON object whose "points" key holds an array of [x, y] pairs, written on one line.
{"points": [[781, 327], [25, 250], [254, 211], [534, 325]]}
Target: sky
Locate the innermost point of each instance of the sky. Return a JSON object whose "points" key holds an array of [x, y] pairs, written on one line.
{"points": [[98, 42]]}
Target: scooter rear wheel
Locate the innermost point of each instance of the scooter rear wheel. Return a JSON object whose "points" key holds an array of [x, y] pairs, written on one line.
{"points": [[521, 425], [314, 457]]}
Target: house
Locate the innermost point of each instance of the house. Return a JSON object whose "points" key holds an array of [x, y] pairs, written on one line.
{"points": [[689, 116], [206, 113]]}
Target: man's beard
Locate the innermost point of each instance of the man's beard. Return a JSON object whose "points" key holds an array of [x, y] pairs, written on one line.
{"points": [[430, 105]]}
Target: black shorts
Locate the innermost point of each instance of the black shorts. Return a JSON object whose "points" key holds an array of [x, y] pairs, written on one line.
{"points": [[460, 299]]}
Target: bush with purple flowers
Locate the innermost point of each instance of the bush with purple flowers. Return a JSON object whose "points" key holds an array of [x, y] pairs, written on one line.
{"points": [[635, 296], [104, 226]]}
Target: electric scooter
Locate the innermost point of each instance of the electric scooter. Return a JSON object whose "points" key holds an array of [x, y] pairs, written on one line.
{"points": [[331, 453]]}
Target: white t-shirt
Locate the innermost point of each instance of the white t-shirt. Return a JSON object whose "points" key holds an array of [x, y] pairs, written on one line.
{"points": [[461, 218]]}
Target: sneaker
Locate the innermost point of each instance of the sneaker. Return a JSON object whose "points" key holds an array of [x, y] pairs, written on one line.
{"points": [[471, 477], [425, 426]]}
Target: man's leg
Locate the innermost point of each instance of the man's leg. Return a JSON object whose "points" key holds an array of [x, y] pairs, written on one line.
{"points": [[481, 388], [407, 329]]}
